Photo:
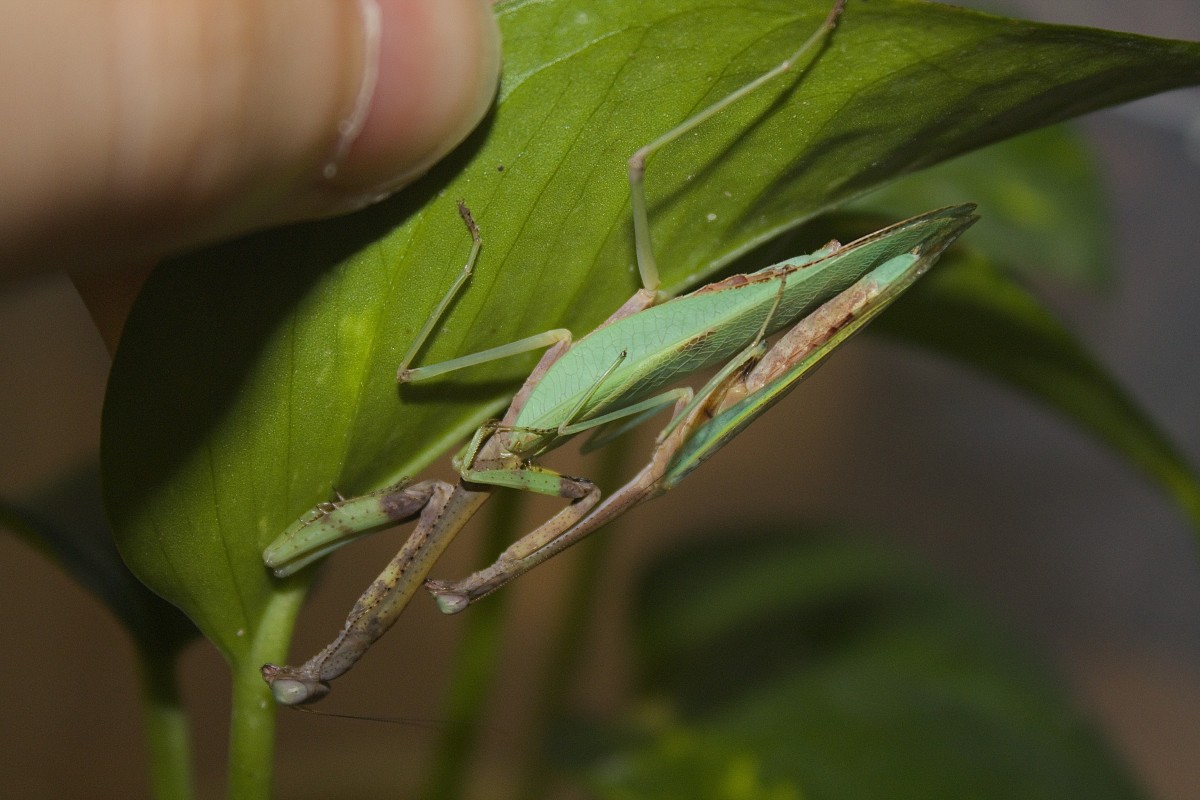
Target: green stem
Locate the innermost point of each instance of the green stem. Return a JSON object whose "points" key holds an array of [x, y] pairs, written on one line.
{"points": [[474, 668], [252, 719], [562, 665], [165, 723], [567, 647]]}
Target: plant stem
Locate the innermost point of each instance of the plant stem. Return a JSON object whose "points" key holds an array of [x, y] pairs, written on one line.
{"points": [[474, 667], [567, 648], [165, 723], [562, 664], [252, 718]]}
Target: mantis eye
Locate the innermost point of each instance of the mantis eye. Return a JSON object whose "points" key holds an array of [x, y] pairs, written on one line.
{"points": [[291, 691], [448, 602]]}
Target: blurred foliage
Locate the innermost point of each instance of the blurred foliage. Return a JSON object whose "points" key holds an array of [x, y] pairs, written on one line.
{"points": [[797, 664]]}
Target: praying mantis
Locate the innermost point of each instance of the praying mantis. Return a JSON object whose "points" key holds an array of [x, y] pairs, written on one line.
{"points": [[607, 382]]}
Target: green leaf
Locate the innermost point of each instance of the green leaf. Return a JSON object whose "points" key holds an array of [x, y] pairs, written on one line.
{"points": [[255, 378], [682, 763], [813, 667], [972, 311], [65, 522], [1045, 213]]}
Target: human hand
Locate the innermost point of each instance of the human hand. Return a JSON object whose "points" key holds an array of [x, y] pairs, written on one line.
{"points": [[136, 129]]}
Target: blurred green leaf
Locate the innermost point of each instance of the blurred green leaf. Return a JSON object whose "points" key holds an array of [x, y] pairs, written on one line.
{"points": [[255, 378], [65, 523], [818, 668], [972, 311], [1044, 209], [681, 763]]}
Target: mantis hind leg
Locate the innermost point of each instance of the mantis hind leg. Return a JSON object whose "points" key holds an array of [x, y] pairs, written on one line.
{"points": [[636, 165], [446, 512]]}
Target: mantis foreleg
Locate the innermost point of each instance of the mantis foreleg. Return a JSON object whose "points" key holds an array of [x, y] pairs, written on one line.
{"points": [[380, 605], [636, 166], [444, 510], [331, 525]]}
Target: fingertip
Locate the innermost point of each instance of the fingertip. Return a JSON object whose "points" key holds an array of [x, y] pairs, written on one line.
{"points": [[141, 129], [434, 77]]}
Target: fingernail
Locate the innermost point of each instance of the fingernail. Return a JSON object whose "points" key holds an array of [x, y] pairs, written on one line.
{"points": [[433, 77]]}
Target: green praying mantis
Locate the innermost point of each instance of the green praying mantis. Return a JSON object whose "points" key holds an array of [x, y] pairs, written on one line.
{"points": [[605, 383]]}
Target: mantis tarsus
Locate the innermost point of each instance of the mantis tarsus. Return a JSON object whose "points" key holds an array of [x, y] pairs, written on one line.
{"points": [[607, 382]]}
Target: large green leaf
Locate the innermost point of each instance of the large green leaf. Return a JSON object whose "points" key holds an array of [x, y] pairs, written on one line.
{"points": [[795, 665], [256, 377]]}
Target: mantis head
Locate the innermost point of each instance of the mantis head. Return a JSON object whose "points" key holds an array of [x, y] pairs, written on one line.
{"points": [[291, 689]]}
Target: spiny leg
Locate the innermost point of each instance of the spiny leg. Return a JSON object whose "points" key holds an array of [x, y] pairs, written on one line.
{"points": [[331, 525], [380, 605], [636, 165], [445, 512]]}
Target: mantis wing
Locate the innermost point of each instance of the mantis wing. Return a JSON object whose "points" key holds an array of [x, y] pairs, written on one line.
{"points": [[817, 336]]}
